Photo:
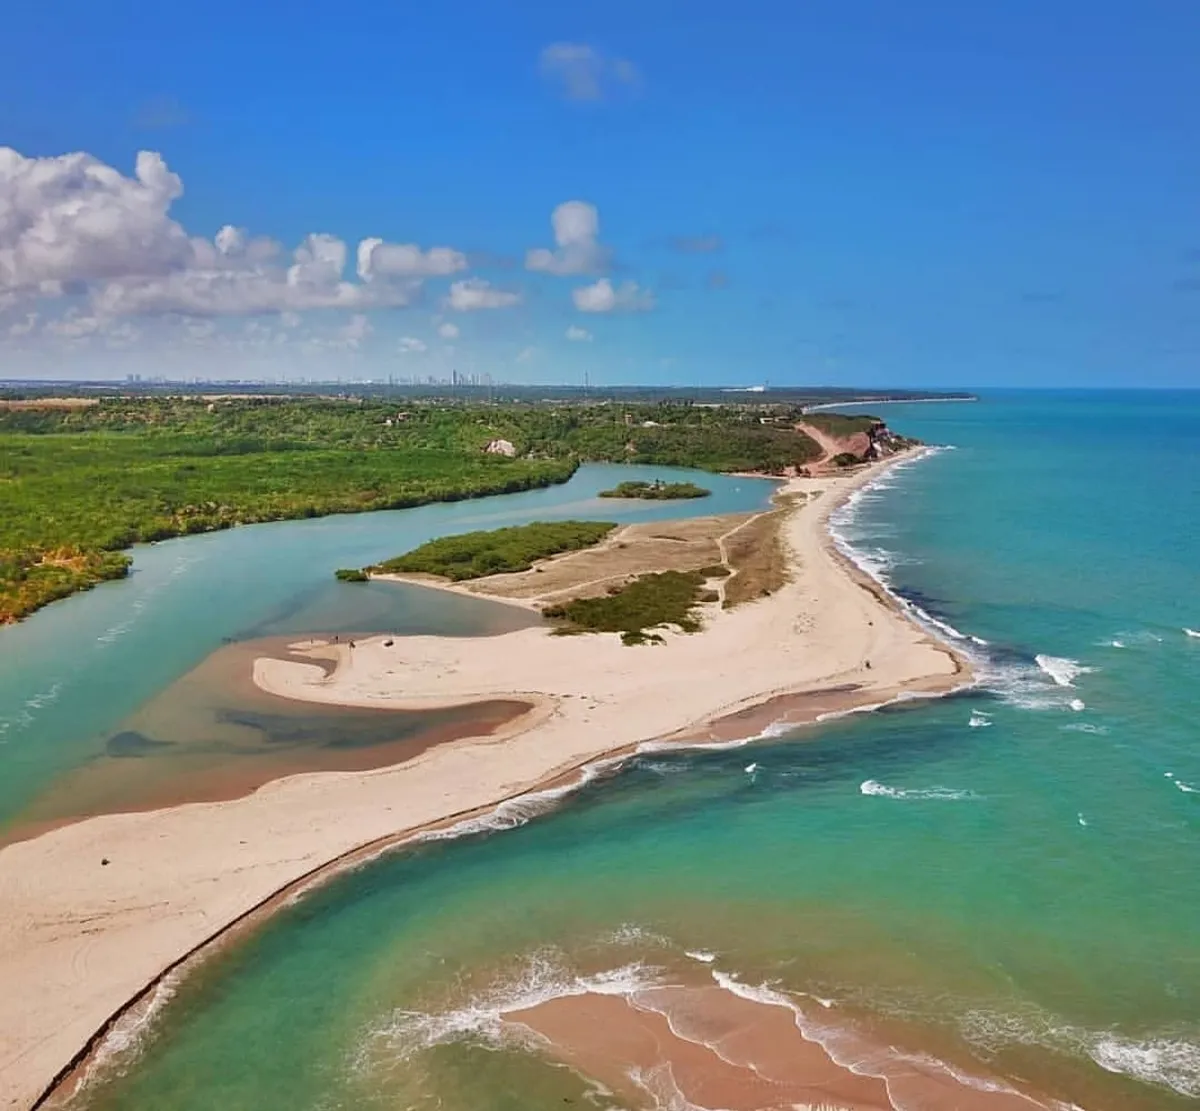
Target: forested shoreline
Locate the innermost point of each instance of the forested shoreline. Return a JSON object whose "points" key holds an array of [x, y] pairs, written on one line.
{"points": [[80, 484]]}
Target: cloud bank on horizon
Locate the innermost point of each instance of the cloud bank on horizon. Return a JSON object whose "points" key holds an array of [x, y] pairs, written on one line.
{"points": [[792, 195], [86, 250]]}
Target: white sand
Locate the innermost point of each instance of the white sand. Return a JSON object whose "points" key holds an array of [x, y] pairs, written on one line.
{"points": [[78, 940]]}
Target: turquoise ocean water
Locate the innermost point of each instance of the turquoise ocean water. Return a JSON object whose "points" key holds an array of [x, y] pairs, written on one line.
{"points": [[1004, 880]]}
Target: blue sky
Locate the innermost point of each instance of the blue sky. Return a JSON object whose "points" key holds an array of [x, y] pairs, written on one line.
{"points": [[859, 193]]}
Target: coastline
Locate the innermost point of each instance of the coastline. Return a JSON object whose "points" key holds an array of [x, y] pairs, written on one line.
{"points": [[834, 405], [86, 939]]}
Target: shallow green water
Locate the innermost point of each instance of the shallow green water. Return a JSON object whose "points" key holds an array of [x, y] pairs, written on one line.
{"points": [[1003, 879]]}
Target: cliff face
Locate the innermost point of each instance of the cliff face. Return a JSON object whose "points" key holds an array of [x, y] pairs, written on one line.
{"points": [[864, 440], [885, 442]]}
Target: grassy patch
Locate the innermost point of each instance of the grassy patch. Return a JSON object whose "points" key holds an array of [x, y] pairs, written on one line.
{"points": [[839, 425], [758, 558], [476, 554], [646, 603], [656, 491]]}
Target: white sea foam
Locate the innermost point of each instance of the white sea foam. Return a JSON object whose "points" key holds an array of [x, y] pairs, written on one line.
{"points": [[701, 955], [541, 978], [1046, 685], [1192, 633], [1019, 684], [1170, 1062], [1170, 1059], [1063, 671], [125, 1039], [517, 811], [1187, 788], [632, 934], [750, 769], [1081, 819], [940, 794], [846, 1048], [980, 720], [775, 729], [1084, 727]]}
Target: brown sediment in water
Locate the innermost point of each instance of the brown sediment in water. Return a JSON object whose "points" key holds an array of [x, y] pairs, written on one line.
{"points": [[711, 1048], [213, 735]]}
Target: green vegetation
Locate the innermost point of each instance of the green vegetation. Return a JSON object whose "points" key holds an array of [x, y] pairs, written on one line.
{"points": [[81, 482], [656, 491], [646, 603], [839, 425], [78, 486], [351, 575], [472, 555], [846, 459]]}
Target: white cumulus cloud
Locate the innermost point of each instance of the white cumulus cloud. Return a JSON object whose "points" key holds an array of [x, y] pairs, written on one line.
{"points": [[576, 227], [412, 345], [475, 293], [71, 225], [578, 334], [377, 259], [448, 330], [72, 219], [603, 296], [581, 72]]}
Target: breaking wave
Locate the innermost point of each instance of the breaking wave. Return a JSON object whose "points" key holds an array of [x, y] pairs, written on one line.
{"points": [[1186, 788], [941, 794], [1031, 684], [1170, 1059], [1063, 671], [541, 978]]}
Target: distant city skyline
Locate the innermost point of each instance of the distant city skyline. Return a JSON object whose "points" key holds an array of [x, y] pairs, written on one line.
{"points": [[837, 194]]}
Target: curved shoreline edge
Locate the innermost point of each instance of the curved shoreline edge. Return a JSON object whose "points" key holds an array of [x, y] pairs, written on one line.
{"points": [[190, 887]]}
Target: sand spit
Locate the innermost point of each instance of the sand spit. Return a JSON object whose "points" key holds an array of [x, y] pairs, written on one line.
{"points": [[93, 913]]}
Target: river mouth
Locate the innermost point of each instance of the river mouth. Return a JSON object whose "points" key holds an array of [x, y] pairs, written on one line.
{"points": [[212, 735]]}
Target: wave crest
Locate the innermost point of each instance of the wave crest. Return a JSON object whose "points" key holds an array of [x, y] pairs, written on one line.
{"points": [[940, 794], [1062, 670]]}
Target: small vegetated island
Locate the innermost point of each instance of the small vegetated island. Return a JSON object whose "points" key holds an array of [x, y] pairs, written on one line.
{"points": [[656, 491], [83, 479], [632, 607], [471, 555]]}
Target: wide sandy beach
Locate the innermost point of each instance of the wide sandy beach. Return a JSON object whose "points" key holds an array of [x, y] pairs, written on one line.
{"points": [[93, 914]]}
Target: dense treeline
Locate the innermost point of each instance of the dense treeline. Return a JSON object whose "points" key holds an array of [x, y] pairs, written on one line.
{"points": [[79, 483], [472, 555], [70, 503], [719, 438]]}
